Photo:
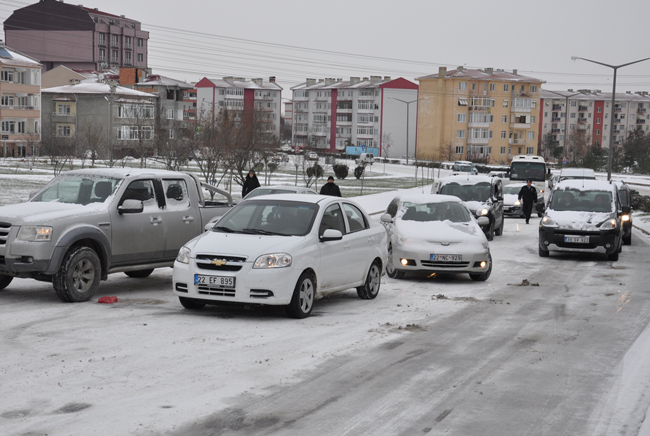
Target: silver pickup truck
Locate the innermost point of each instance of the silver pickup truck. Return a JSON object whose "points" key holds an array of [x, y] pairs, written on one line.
{"points": [[86, 224]]}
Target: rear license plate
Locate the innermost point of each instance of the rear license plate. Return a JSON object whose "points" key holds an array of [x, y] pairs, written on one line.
{"points": [[446, 257], [218, 281], [577, 239]]}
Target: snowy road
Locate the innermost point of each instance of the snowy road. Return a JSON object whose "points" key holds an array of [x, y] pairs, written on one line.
{"points": [[443, 355]]}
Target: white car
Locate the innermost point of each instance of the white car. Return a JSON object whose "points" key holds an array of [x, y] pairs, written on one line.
{"points": [[278, 189], [430, 233], [284, 250], [312, 156]]}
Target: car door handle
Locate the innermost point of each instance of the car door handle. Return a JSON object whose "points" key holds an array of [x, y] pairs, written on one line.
{"points": [[346, 246], [188, 219], [371, 239], [155, 220]]}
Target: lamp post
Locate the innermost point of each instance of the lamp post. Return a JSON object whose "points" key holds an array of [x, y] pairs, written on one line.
{"points": [[611, 112], [566, 116], [408, 104]]}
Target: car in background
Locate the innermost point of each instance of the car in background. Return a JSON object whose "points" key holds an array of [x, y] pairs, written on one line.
{"points": [[577, 173], [430, 233], [280, 158], [285, 250], [499, 174], [553, 181], [464, 166], [365, 159], [512, 206], [583, 216], [278, 189], [311, 156], [625, 196], [483, 196], [286, 148]]}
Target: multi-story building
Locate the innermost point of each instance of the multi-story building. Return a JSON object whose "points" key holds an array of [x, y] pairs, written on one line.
{"points": [[58, 33], [189, 103], [20, 112], [487, 115], [288, 113], [589, 113], [123, 118], [238, 94], [356, 115]]}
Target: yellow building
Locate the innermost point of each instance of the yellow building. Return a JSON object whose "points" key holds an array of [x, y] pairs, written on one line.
{"points": [[480, 115]]}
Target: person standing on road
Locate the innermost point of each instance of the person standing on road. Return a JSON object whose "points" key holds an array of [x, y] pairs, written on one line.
{"points": [[250, 183], [528, 196], [330, 188]]}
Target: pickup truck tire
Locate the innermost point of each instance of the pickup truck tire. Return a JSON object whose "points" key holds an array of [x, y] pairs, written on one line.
{"points": [[139, 274], [4, 281], [78, 277]]}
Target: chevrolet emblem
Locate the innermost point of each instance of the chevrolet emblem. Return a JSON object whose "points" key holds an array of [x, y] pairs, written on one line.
{"points": [[218, 262]]}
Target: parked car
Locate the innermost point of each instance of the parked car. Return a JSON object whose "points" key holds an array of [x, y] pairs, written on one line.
{"points": [[365, 159], [577, 173], [464, 166], [511, 204], [286, 148], [483, 195], [435, 234], [280, 158], [283, 250], [553, 181], [583, 216], [625, 196], [499, 174], [311, 156], [86, 224], [278, 189]]}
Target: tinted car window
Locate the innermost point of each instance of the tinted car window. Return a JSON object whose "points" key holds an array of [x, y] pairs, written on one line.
{"points": [[332, 219], [288, 218], [356, 220], [584, 201], [478, 192], [451, 211], [622, 194]]}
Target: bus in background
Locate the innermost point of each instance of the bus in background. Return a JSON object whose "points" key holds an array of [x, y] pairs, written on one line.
{"points": [[527, 167]]}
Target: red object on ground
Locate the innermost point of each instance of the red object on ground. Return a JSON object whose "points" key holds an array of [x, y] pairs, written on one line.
{"points": [[107, 300]]}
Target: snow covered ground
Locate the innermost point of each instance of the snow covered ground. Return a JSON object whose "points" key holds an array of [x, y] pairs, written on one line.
{"points": [[147, 366]]}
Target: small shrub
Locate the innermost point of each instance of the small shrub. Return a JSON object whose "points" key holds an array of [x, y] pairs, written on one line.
{"points": [[341, 171], [315, 171], [358, 171], [259, 167]]}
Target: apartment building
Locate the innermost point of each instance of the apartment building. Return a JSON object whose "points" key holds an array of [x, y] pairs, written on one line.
{"points": [[588, 112], [58, 33], [371, 114], [238, 94], [481, 115], [20, 112], [189, 103], [288, 113]]}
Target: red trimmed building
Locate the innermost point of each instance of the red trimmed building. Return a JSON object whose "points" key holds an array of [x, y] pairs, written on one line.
{"points": [[356, 115]]}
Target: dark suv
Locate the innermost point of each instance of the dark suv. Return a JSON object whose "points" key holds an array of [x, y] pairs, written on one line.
{"points": [[483, 196], [625, 196]]}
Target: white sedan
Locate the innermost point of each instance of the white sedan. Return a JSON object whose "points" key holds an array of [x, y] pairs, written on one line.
{"points": [[283, 250], [435, 234]]}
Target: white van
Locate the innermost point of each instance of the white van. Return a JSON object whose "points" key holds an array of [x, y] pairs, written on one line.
{"points": [[365, 159]]}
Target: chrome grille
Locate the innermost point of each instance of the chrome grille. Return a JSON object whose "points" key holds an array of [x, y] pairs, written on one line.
{"points": [[215, 262], [217, 292], [444, 264]]}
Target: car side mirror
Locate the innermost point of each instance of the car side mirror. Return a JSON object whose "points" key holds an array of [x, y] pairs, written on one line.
{"points": [[331, 235], [131, 206], [386, 218], [483, 221]]}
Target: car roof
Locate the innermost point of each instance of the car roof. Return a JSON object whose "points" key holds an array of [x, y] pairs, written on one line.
{"points": [[468, 179], [287, 188], [301, 198], [429, 198], [585, 184], [125, 172], [577, 172]]}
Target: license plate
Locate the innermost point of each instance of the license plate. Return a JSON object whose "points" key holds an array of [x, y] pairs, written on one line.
{"points": [[218, 281], [446, 257], [577, 239]]}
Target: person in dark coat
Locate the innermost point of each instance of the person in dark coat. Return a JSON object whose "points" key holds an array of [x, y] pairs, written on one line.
{"points": [[528, 196], [330, 188], [250, 183]]}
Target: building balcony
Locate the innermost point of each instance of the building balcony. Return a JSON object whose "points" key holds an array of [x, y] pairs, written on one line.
{"points": [[128, 47], [583, 108], [481, 108], [557, 107], [518, 141], [56, 118], [521, 94], [641, 121], [582, 126], [556, 119], [520, 125], [521, 110], [619, 120], [582, 120], [344, 110], [477, 124], [555, 130], [618, 109], [617, 131], [641, 110], [478, 140]]}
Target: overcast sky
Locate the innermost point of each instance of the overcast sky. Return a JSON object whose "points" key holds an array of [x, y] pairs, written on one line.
{"points": [[289, 38]]}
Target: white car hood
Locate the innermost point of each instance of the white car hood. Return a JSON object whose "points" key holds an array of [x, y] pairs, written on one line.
{"points": [[573, 220], [438, 231], [237, 244], [473, 206], [46, 212]]}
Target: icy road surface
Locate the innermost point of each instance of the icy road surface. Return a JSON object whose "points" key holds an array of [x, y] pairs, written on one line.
{"points": [[443, 355]]}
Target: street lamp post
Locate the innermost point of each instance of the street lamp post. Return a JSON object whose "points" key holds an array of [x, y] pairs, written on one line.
{"points": [[408, 104], [611, 112], [566, 116]]}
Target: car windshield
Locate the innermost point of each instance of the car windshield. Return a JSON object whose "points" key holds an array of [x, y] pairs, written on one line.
{"points": [[528, 170], [454, 212], [78, 189], [512, 189], [583, 201], [269, 217], [478, 192]]}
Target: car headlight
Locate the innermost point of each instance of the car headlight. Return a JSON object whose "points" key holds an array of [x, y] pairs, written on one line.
{"points": [[276, 260], [183, 255], [35, 233], [547, 222], [482, 212], [609, 224], [517, 203], [625, 218]]}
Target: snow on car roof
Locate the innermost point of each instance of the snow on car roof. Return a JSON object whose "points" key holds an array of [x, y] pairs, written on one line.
{"points": [[123, 172], [467, 179], [429, 198], [584, 184]]}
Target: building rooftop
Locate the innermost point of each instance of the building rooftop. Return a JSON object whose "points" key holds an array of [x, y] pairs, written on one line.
{"points": [[158, 80], [96, 88], [595, 95], [486, 74], [238, 82], [12, 57], [354, 83]]}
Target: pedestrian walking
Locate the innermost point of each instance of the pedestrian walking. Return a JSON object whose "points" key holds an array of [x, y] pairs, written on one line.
{"points": [[250, 183], [330, 188], [528, 197]]}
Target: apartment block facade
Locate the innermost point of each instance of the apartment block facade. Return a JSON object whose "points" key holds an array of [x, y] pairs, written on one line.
{"points": [[58, 33], [481, 115], [371, 114], [20, 112], [288, 113], [238, 94], [588, 112]]}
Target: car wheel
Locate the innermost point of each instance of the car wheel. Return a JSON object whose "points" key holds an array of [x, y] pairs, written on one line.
{"points": [[140, 274], [78, 277], [4, 281], [628, 239], [486, 275], [499, 231], [302, 301], [542, 253], [370, 288], [490, 233], [390, 266], [191, 304]]}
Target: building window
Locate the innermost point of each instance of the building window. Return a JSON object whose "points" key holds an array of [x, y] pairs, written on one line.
{"points": [[462, 85], [460, 133], [597, 120], [573, 104], [127, 58], [363, 105], [102, 39], [140, 57], [7, 76], [102, 55], [503, 136], [21, 127], [114, 40], [64, 130], [364, 118], [532, 119], [506, 88], [492, 86], [504, 118], [135, 111], [9, 126], [533, 88], [127, 42], [140, 42], [531, 135], [505, 102], [503, 150], [599, 110], [114, 57], [171, 133], [7, 100], [64, 109], [530, 150], [597, 131], [170, 114], [573, 115], [459, 149], [462, 102], [461, 118]]}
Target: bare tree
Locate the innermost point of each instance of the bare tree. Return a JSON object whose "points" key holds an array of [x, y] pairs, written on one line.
{"points": [[94, 137], [447, 151], [59, 148]]}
